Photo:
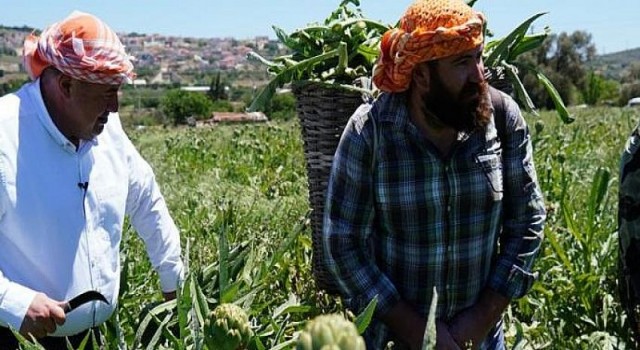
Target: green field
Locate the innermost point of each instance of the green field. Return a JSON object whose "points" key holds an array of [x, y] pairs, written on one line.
{"points": [[239, 195]]}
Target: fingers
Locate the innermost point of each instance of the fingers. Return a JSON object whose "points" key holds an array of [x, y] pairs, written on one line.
{"points": [[48, 325], [57, 314], [42, 317], [444, 340]]}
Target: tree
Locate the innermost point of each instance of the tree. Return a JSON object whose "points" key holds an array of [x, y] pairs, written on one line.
{"points": [[282, 106], [178, 105], [628, 92], [632, 73], [562, 58], [217, 89]]}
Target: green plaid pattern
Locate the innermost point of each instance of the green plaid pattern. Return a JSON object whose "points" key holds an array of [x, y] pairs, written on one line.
{"points": [[418, 221]]}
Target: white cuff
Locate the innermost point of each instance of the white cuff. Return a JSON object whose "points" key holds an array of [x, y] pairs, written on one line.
{"points": [[14, 305], [171, 279]]}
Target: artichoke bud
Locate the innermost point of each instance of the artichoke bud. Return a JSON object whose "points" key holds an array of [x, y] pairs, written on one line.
{"points": [[330, 332], [539, 126], [227, 328]]}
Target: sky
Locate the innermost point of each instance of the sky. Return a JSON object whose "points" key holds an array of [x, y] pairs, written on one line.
{"points": [[614, 24]]}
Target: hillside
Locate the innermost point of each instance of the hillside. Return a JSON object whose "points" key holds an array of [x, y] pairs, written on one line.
{"points": [[613, 64], [189, 58]]}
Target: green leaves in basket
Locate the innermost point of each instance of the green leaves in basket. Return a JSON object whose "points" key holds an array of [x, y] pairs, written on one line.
{"points": [[337, 52]]}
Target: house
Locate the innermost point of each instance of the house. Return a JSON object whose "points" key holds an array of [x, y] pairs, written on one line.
{"points": [[238, 117]]}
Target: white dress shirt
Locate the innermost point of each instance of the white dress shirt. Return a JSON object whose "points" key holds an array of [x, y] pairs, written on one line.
{"points": [[59, 238]]}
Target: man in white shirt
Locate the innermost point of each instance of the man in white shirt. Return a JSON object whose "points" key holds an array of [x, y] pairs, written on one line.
{"points": [[68, 177]]}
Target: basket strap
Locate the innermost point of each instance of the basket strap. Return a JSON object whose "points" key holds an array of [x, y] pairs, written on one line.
{"points": [[499, 113], [375, 143]]}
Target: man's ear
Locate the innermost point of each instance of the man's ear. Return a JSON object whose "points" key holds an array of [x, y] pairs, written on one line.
{"points": [[64, 83], [421, 76]]}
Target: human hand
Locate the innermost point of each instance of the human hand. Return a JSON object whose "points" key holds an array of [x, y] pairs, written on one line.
{"points": [[444, 340], [43, 316], [468, 330], [470, 327]]}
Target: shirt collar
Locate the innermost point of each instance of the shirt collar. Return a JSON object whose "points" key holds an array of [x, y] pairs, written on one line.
{"points": [[392, 107]]}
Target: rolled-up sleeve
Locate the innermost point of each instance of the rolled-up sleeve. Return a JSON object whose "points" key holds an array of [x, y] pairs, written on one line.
{"points": [[524, 212], [151, 219], [348, 220]]}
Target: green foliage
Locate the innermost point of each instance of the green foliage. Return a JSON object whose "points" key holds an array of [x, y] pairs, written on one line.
{"points": [[599, 89], [629, 91], [239, 196], [141, 97], [345, 48], [178, 105], [430, 331], [282, 106], [503, 53], [610, 92], [631, 74], [222, 106], [337, 51], [11, 86], [562, 58], [217, 89], [577, 167]]}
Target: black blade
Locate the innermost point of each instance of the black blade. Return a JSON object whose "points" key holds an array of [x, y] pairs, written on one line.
{"points": [[84, 298]]}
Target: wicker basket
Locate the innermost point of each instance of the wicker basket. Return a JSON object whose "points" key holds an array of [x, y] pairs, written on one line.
{"points": [[323, 112]]}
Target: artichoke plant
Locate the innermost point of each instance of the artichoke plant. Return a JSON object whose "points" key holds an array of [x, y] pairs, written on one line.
{"points": [[344, 49], [227, 328], [330, 332], [338, 51]]}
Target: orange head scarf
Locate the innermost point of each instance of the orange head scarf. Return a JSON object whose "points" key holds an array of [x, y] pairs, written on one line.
{"points": [[429, 30], [82, 47]]}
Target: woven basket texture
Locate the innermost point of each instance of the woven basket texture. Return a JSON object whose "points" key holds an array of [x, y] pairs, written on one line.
{"points": [[323, 112]]}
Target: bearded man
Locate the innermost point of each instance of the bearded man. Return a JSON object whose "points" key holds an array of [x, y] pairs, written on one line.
{"points": [[429, 190]]}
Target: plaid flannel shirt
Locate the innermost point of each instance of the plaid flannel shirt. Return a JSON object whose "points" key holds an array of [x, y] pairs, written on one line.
{"points": [[416, 221]]}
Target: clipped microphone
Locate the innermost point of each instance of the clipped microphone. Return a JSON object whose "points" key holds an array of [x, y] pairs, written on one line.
{"points": [[83, 185]]}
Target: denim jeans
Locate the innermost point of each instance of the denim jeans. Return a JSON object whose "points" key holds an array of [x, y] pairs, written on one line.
{"points": [[495, 340]]}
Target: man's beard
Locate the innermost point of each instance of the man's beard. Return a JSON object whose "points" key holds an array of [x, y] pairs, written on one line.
{"points": [[458, 112]]}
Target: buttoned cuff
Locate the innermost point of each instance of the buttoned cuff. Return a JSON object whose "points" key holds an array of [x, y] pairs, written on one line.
{"points": [[14, 305], [171, 278], [510, 280], [386, 294]]}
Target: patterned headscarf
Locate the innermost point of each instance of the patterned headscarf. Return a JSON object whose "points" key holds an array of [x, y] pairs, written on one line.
{"points": [[429, 30], [82, 47]]}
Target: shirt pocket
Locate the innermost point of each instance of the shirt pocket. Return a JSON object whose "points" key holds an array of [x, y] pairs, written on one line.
{"points": [[490, 163], [111, 211]]}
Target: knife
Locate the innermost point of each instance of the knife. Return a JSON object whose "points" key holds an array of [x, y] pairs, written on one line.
{"points": [[84, 298]]}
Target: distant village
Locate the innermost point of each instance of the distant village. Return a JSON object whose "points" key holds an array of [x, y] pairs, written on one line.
{"points": [[165, 60]]}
